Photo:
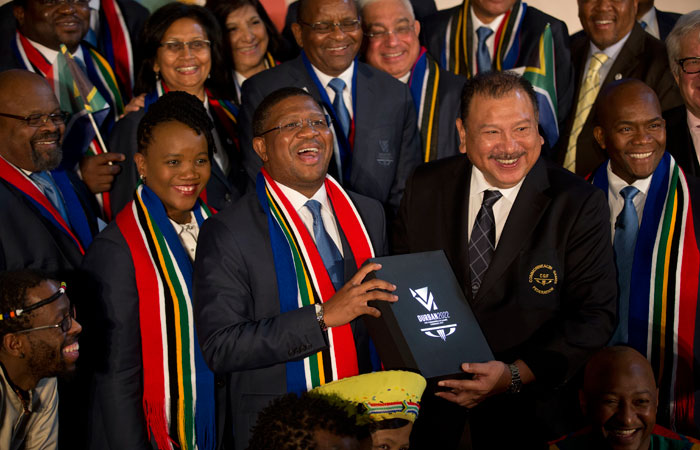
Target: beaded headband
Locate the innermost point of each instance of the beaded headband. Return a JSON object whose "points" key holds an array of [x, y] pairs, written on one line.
{"points": [[18, 312]]}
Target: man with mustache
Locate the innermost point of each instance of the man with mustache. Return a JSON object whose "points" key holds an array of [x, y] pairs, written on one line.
{"points": [[611, 46], [278, 288], [620, 400], [374, 120], [641, 180], [530, 245], [38, 341]]}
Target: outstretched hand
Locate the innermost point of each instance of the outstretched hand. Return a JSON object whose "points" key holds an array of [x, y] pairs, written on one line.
{"points": [[351, 300], [489, 379]]}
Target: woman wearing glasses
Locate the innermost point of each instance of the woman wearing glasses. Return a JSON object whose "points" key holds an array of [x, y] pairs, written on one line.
{"points": [[181, 50], [152, 388]]}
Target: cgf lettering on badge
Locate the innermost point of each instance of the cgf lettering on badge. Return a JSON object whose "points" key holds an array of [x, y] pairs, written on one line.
{"points": [[543, 279]]}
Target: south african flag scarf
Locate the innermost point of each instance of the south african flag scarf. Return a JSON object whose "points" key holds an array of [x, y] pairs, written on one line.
{"points": [[424, 84], [302, 278], [664, 290], [459, 46], [178, 387]]}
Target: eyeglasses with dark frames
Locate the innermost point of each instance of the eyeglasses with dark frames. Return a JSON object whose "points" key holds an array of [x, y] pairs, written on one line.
{"points": [[294, 127], [195, 46], [65, 325], [690, 65], [346, 26], [38, 120]]}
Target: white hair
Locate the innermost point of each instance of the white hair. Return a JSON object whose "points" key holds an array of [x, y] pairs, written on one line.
{"points": [[406, 3]]}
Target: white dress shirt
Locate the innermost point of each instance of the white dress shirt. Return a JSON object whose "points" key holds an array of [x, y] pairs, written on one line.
{"points": [[612, 52], [188, 234], [652, 24], [51, 55], [616, 202], [490, 41], [298, 201], [347, 92], [501, 209]]}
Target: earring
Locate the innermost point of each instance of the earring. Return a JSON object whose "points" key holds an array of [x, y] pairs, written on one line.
{"points": [[157, 74], [209, 76], [142, 177]]}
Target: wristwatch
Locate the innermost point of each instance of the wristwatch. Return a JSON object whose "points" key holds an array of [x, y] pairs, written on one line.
{"points": [[319, 316], [516, 384]]}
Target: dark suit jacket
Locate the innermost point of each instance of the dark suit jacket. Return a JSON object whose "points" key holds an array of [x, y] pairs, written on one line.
{"points": [[387, 145], [679, 142], [112, 337], [237, 308], [433, 36], [557, 220], [135, 16], [222, 190], [666, 21], [450, 98], [642, 57]]}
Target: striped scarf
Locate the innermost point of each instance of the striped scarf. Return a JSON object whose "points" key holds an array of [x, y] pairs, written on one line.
{"points": [[459, 46], [302, 278], [664, 288], [116, 42], [178, 387], [424, 84]]}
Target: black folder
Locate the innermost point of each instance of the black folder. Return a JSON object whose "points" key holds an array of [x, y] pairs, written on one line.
{"points": [[431, 329]]}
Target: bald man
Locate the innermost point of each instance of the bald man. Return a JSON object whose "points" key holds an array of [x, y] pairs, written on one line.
{"points": [[651, 201], [620, 399]]}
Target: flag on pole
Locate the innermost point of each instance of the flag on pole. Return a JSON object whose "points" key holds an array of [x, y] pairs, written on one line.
{"points": [[541, 74], [88, 109]]}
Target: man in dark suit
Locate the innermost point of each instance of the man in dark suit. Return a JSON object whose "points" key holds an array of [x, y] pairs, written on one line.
{"points": [[638, 180], [683, 122], [102, 34], [657, 23], [273, 324], [46, 218], [392, 32], [374, 120], [530, 246], [497, 19], [611, 46]]}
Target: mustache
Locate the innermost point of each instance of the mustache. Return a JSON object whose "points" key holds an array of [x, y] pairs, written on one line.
{"points": [[514, 155], [48, 136]]}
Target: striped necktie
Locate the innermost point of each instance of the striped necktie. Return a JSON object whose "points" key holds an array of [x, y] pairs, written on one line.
{"points": [[483, 239], [586, 98]]}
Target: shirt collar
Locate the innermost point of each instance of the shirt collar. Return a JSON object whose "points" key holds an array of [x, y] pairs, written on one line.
{"points": [[298, 200], [404, 79], [495, 23], [612, 51], [616, 183], [345, 76], [479, 184], [51, 55], [693, 122], [649, 17], [181, 226]]}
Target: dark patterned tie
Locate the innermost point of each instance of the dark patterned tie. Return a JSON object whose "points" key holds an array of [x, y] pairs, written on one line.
{"points": [[329, 252], [483, 239]]}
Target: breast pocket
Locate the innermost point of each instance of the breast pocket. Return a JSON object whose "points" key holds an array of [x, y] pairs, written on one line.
{"points": [[541, 280]]}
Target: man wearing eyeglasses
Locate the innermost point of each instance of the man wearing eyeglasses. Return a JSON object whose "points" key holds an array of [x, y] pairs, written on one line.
{"points": [[392, 33], [278, 288], [39, 342], [683, 122], [374, 120]]}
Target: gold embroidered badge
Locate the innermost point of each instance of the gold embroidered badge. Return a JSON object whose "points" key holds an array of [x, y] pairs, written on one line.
{"points": [[543, 279]]}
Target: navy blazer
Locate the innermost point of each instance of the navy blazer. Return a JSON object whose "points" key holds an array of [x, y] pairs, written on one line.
{"points": [[237, 310], [558, 224], [642, 57], [387, 146], [666, 21]]}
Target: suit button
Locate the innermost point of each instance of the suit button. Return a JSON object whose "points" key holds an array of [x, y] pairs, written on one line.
{"points": [[227, 197]]}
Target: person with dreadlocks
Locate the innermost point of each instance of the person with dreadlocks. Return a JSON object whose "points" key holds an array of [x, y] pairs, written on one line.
{"points": [[38, 341], [150, 377]]}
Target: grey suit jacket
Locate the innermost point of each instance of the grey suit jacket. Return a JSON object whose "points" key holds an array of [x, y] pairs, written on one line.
{"points": [[642, 57], [237, 310], [387, 146]]}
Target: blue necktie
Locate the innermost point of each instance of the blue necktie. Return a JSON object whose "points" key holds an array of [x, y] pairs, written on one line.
{"points": [[330, 254], [341, 110], [91, 37], [643, 24], [626, 228], [50, 190], [483, 57], [483, 239]]}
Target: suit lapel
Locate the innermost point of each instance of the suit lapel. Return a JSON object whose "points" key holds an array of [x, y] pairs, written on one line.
{"points": [[627, 60], [299, 74], [365, 96], [454, 211], [524, 216]]}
